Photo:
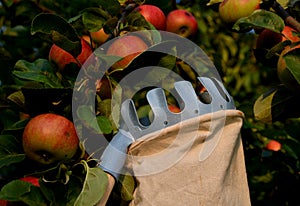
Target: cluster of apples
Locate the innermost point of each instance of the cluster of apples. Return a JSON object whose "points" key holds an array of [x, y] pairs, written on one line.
{"points": [[178, 21]]}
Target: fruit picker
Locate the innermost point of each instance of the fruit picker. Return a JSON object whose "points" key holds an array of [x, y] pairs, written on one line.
{"points": [[194, 157]]}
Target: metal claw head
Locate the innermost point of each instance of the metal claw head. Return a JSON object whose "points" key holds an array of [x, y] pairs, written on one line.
{"points": [[190, 104]]}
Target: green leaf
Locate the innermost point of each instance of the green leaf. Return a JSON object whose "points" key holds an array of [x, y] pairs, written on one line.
{"points": [[126, 187], [260, 18], [17, 98], [99, 124], [104, 124], [40, 71], [275, 105], [277, 49], [18, 190], [292, 59], [10, 151], [55, 192], [57, 30], [94, 186], [94, 18], [86, 114], [113, 7]]}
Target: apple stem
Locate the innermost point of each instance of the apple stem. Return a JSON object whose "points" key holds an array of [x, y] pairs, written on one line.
{"points": [[286, 16]]}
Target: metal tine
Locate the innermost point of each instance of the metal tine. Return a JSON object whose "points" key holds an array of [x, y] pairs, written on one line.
{"points": [[157, 100], [218, 102], [230, 102], [185, 93], [129, 117]]}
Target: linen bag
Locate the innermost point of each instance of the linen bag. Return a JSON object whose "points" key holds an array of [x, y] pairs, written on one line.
{"points": [[199, 161]]}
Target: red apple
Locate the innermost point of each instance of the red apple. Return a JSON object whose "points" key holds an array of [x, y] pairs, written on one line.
{"points": [[181, 22], [49, 138], [154, 15], [61, 57], [3, 202], [267, 38], [127, 47], [273, 145], [232, 10], [99, 37], [33, 180], [174, 108]]}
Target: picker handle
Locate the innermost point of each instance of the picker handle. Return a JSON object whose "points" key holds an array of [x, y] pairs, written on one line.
{"points": [[286, 16]]}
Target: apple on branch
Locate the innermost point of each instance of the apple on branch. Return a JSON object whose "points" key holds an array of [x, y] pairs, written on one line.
{"points": [[48, 138], [127, 47], [61, 57], [181, 22], [99, 37], [232, 10], [154, 15], [268, 38]]}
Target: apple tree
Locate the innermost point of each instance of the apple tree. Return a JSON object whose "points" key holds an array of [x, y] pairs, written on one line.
{"points": [[264, 82]]}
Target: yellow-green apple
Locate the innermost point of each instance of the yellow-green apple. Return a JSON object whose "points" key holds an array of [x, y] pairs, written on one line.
{"points": [[48, 138], [273, 145], [61, 57], [154, 15], [284, 74], [127, 47], [232, 10], [99, 37], [181, 22]]}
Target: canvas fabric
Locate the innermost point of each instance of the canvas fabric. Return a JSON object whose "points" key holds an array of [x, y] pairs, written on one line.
{"points": [[199, 161]]}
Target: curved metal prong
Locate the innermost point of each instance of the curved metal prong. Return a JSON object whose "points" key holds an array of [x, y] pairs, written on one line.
{"points": [[220, 98], [185, 93]]}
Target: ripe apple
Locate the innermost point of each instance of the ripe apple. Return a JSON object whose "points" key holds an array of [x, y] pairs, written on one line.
{"points": [[33, 180], [3, 202], [61, 57], [232, 10], [127, 47], [273, 145], [284, 74], [99, 37], [174, 108], [181, 22], [48, 138], [267, 38], [154, 15]]}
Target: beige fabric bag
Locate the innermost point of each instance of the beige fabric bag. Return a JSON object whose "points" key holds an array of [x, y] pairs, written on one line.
{"points": [[195, 162]]}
